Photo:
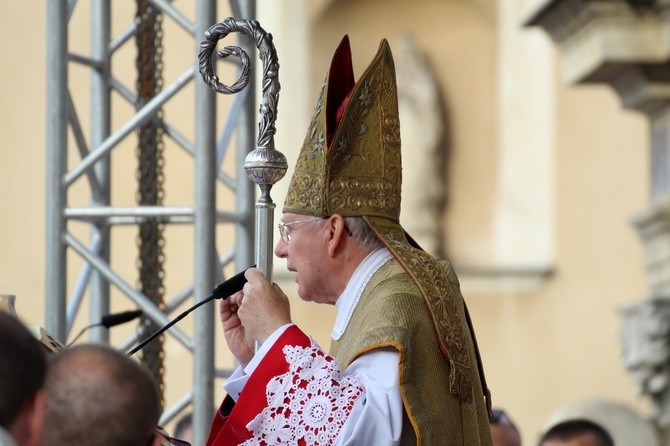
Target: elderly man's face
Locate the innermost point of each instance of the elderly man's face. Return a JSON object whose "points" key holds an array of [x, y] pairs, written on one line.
{"points": [[305, 253]]}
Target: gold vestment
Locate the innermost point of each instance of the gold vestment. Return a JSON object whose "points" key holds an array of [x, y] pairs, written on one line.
{"points": [[392, 313]]}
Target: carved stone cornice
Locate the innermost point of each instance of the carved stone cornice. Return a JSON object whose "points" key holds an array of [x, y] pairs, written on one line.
{"points": [[564, 18], [643, 87], [601, 39], [654, 229], [646, 353], [654, 221]]}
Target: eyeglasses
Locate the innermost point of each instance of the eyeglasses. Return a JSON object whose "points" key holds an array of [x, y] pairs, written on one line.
{"points": [[284, 228]]}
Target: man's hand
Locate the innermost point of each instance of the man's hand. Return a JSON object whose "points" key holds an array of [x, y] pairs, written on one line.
{"points": [[263, 308], [239, 343]]}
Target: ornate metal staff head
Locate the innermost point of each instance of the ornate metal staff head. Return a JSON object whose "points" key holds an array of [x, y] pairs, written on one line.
{"points": [[264, 165]]}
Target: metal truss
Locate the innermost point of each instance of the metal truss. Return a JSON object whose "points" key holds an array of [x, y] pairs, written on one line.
{"points": [[81, 157]]}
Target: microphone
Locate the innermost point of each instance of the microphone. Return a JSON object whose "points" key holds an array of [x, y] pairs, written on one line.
{"points": [[230, 286], [111, 320], [222, 291]]}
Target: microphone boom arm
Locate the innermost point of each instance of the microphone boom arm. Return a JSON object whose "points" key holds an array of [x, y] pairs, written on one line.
{"points": [[225, 289]]}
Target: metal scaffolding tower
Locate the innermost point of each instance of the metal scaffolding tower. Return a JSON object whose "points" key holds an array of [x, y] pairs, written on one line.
{"points": [[81, 157]]}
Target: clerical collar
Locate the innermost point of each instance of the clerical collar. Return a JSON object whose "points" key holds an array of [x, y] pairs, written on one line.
{"points": [[348, 300]]}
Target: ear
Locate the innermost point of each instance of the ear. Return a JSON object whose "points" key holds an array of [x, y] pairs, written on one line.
{"points": [[336, 233], [34, 418]]}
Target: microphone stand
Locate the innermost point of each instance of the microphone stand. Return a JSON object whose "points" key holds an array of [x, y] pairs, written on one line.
{"points": [[223, 291], [109, 321]]}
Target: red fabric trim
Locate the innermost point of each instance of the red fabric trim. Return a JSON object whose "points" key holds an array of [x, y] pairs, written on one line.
{"points": [[230, 429]]}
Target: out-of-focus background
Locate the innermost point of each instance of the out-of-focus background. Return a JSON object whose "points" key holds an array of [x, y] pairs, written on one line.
{"points": [[535, 145]]}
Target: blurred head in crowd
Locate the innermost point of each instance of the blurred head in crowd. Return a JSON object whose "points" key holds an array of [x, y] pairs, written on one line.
{"points": [[578, 432], [22, 371], [503, 430]]}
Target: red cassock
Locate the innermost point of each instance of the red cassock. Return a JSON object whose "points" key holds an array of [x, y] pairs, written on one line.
{"points": [[296, 395]]}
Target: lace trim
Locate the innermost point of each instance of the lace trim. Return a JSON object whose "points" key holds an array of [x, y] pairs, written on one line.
{"points": [[311, 402]]}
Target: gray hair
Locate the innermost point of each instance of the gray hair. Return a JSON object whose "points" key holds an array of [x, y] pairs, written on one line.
{"points": [[361, 231]]}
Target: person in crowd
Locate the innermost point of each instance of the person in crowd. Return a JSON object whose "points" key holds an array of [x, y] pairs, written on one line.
{"points": [[22, 394], [97, 396], [578, 432], [503, 430], [403, 366]]}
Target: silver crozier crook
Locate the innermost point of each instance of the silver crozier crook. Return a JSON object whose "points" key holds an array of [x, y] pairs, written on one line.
{"points": [[264, 165]]}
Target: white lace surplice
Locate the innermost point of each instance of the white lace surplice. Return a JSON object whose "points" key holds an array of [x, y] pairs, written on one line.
{"points": [[316, 402]]}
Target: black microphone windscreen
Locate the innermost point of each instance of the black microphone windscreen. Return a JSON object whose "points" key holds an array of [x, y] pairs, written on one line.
{"points": [[223, 291], [112, 320], [230, 286]]}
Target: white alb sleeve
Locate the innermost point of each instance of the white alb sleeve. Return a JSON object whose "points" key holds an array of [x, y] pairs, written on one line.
{"points": [[377, 417]]}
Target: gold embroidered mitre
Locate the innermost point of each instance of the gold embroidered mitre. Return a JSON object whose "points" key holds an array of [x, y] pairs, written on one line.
{"points": [[351, 168]]}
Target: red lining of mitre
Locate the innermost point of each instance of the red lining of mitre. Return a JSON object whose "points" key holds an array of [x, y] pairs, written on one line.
{"points": [[340, 84]]}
